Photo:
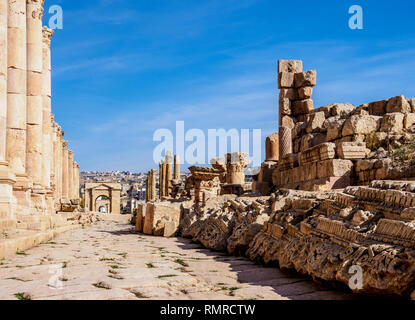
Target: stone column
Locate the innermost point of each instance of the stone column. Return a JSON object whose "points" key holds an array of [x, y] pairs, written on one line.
{"points": [[235, 167], [163, 173], [70, 174], [16, 96], [161, 181], [286, 145], [53, 142], [59, 163], [3, 79], [76, 182], [65, 184], [272, 147], [176, 167], [147, 183], [153, 185], [7, 178], [169, 172], [34, 93], [46, 102]]}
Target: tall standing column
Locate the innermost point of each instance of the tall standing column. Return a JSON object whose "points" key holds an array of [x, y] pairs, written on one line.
{"points": [[76, 181], [53, 140], [46, 103], [163, 173], [7, 178], [34, 93], [70, 174], [147, 186], [16, 96], [3, 79], [59, 162], [153, 185], [176, 167], [169, 172], [65, 194], [161, 181]]}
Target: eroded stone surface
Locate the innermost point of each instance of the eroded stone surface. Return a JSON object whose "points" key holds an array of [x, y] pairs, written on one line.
{"points": [[108, 261]]}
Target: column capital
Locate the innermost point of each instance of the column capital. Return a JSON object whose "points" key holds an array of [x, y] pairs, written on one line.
{"points": [[47, 35], [64, 144], [38, 12]]}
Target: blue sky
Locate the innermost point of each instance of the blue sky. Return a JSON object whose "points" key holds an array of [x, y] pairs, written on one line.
{"points": [[122, 69]]}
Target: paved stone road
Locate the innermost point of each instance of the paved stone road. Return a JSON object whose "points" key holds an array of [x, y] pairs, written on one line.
{"points": [[109, 261]]}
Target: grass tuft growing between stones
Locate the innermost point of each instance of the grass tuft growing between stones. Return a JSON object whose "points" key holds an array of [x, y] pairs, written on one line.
{"points": [[102, 285], [181, 262], [167, 276], [106, 259], [22, 296]]}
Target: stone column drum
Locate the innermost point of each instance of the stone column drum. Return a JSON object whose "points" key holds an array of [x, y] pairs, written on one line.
{"points": [[272, 147], [285, 138], [34, 92]]}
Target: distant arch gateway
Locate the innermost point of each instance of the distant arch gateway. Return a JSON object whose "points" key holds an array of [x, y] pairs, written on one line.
{"points": [[103, 197]]}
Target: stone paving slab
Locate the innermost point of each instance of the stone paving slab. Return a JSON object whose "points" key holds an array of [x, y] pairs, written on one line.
{"points": [[109, 261]]}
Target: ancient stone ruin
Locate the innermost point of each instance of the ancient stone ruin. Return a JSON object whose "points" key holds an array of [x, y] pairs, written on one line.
{"points": [[336, 191], [38, 174]]}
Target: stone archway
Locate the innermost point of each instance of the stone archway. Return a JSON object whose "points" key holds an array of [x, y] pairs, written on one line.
{"points": [[103, 197], [103, 204]]}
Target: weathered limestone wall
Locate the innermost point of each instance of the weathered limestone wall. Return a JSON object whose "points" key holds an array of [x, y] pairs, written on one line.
{"points": [[337, 145]]}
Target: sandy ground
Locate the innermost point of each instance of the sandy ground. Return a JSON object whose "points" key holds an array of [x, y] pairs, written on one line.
{"points": [[109, 261]]}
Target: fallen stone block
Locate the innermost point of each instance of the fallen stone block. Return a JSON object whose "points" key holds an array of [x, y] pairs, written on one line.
{"points": [[361, 124], [140, 216], [334, 129], [157, 214], [351, 150], [398, 104], [409, 120], [170, 229], [334, 168], [316, 122], [311, 140], [378, 108], [392, 122]]}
